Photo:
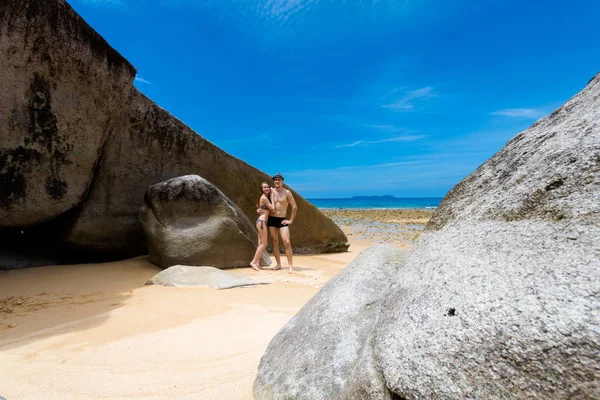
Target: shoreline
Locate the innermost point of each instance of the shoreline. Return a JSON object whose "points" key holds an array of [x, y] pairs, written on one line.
{"points": [[374, 208]]}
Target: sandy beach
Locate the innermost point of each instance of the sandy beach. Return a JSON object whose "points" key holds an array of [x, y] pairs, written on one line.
{"points": [[95, 331]]}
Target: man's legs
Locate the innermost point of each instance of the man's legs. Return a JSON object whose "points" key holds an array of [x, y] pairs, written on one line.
{"points": [[285, 236], [274, 232]]}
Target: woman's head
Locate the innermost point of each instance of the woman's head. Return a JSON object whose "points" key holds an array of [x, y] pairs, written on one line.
{"points": [[265, 188]]}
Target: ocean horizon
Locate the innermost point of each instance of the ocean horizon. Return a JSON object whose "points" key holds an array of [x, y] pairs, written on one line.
{"points": [[376, 202]]}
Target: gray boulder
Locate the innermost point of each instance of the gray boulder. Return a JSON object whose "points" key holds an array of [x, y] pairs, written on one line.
{"points": [[188, 220], [333, 329], [500, 297], [191, 276], [80, 146]]}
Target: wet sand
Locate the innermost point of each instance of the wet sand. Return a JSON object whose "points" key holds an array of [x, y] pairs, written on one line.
{"points": [[95, 331]]}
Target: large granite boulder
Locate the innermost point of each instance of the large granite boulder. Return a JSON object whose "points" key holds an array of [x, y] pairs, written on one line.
{"points": [[499, 299], [332, 331], [80, 146], [61, 88], [188, 220]]}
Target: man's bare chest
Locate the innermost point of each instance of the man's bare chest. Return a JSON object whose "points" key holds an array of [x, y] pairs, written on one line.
{"points": [[280, 197]]}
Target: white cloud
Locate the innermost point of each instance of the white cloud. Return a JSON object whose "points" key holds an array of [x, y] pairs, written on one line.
{"points": [[142, 80], [408, 100], [386, 128], [393, 92], [405, 138], [283, 13], [271, 22], [520, 113], [285, 8]]}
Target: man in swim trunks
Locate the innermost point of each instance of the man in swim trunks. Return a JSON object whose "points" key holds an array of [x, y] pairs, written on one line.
{"points": [[277, 222]]}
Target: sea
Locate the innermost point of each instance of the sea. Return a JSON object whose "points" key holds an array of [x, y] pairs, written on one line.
{"points": [[373, 202]]}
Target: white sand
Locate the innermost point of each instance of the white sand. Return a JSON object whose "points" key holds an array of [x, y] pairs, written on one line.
{"points": [[96, 332]]}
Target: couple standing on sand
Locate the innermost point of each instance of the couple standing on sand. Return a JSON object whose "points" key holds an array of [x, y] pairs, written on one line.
{"points": [[272, 209]]}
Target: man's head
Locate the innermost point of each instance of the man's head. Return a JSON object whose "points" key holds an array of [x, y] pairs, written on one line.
{"points": [[278, 180]]}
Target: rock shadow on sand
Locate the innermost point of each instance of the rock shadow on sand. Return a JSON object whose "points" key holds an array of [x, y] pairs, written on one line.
{"points": [[39, 303]]}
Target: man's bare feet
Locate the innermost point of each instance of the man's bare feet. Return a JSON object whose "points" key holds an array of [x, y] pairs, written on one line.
{"points": [[255, 266], [291, 269]]}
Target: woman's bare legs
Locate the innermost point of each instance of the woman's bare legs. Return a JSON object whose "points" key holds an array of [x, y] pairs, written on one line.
{"points": [[261, 227]]}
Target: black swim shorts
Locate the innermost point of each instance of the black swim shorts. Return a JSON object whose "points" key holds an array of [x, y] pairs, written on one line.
{"points": [[275, 222]]}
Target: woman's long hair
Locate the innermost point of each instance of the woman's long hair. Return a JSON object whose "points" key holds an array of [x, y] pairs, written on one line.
{"points": [[261, 193]]}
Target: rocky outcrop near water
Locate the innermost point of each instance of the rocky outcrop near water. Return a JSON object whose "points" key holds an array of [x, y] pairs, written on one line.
{"points": [[188, 220], [80, 145], [499, 299]]}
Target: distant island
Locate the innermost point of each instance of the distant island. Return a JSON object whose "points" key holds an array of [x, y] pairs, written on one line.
{"points": [[386, 197]]}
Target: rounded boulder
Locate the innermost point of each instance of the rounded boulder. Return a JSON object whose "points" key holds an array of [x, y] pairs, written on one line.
{"points": [[188, 220]]}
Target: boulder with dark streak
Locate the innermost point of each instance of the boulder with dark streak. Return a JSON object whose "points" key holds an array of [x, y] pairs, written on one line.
{"points": [[62, 88], [79, 146]]}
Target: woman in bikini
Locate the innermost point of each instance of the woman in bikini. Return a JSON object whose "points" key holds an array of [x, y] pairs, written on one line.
{"points": [[265, 203]]}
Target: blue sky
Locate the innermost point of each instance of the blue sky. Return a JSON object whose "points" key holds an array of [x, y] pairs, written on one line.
{"points": [[356, 97]]}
